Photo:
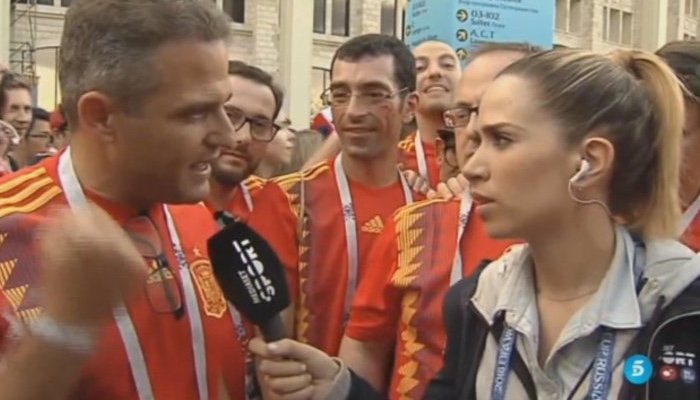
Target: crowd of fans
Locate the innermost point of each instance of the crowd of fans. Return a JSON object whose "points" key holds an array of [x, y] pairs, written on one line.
{"points": [[525, 228]]}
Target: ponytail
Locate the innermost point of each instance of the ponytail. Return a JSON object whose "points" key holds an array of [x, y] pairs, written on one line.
{"points": [[660, 215], [636, 102]]}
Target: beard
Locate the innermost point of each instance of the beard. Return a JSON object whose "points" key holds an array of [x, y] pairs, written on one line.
{"points": [[230, 177]]}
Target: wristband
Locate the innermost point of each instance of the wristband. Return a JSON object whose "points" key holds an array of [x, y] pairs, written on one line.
{"points": [[78, 339]]}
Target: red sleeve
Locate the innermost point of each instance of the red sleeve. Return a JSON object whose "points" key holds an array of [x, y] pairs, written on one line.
{"points": [[375, 311], [274, 219]]}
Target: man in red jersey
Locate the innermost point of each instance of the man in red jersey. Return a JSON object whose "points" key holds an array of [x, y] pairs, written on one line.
{"points": [[437, 75], [344, 203], [147, 123], [396, 318], [237, 194]]}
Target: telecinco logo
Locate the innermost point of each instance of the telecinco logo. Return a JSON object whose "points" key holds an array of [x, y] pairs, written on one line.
{"points": [[259, 287], [638, 369]]}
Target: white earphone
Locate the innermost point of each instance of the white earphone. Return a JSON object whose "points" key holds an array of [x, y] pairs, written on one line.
{"points": [[582, 171]]}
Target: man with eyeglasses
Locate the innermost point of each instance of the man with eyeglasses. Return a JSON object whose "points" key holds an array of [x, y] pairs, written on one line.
{"points": [[344, 203], [236, 194], [106, 288], [427, 247], [437, 73], [37, 143]]}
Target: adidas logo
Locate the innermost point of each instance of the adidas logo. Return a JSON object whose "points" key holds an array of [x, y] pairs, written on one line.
{"points": [[374, 225]]}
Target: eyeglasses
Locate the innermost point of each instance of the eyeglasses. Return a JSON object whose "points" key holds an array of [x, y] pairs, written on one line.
{"points": [[459, 116], [162, 288], [261, 129], [340, 97], [41, 136]]}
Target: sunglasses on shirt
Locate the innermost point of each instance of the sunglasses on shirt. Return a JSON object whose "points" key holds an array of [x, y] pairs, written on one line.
{"points": [[162, 287]]}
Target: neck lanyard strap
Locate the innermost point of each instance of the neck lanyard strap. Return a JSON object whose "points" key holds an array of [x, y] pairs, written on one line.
{"points": [[504, 359], [139, 371], [602, 367], [350, 222], [246, 196], [465, 207], [420, 157]]}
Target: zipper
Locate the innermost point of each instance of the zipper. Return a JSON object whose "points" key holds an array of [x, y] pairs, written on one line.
{"points": [[656, 332]]}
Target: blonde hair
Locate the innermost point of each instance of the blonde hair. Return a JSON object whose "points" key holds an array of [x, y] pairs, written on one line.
{"points": [[636, 99]]}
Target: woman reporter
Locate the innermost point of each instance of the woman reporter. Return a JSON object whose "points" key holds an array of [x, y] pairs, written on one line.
{"points": [[583, 166]]}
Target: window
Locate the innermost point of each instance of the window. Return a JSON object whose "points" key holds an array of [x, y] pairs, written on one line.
{"points": [[41, 2], [340, 22], [575, 15], [606, 28], [339, 17], [236, 9], [569, 15], [66, 3], [320, 16], [691, 8], [617, 26], [562, 8], [388, 17], [614, 26], [627, 28]]}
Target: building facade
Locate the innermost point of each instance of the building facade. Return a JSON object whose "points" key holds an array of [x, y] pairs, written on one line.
{"points": [[295, 39]]}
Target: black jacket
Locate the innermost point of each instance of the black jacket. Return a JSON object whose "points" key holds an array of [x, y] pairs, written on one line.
{"points": [[675, 325]]}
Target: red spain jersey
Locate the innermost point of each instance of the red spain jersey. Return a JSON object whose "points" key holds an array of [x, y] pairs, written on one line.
{"points": [[409, 274], [691, 236], [264, 207], [409, 158], [26, 198], [320, 280]]}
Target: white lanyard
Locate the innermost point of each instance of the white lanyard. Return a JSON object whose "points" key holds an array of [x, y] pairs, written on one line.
{"points": [[246, 196], [420, 157], [351, 227], [690, 213], [465, 208], [241, 334], [139, 371]]}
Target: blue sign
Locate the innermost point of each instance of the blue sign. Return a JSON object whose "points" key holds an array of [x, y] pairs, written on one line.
{"points": [[638, 369], [464, 24]]}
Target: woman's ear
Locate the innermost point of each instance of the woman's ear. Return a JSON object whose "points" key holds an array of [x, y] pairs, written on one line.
{"points": [[599, 155]]}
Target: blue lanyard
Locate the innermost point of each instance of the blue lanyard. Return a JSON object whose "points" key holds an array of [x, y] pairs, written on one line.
{"points": [[602, 366]]}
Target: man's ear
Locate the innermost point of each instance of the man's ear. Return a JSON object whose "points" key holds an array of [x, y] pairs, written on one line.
{"points": [[409, 107], [95, 113]]}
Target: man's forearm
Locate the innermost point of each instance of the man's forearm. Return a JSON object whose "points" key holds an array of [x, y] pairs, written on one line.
{"points": [[37, 369]]}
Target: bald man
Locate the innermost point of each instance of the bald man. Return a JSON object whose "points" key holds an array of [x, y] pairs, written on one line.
{"points": [[396, 317], [437, 74]]}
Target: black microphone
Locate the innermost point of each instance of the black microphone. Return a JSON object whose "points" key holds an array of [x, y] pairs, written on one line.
{"points": [[251, 277]]}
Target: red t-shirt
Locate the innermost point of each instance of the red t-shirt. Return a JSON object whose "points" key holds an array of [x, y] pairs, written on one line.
{"points": [[401, 296], [408, 157], [320, 279], [691, 236], [273, 218], [166, 343]]}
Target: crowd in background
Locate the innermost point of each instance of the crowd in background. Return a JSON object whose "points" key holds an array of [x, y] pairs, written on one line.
{"points": [[520, 228]]}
